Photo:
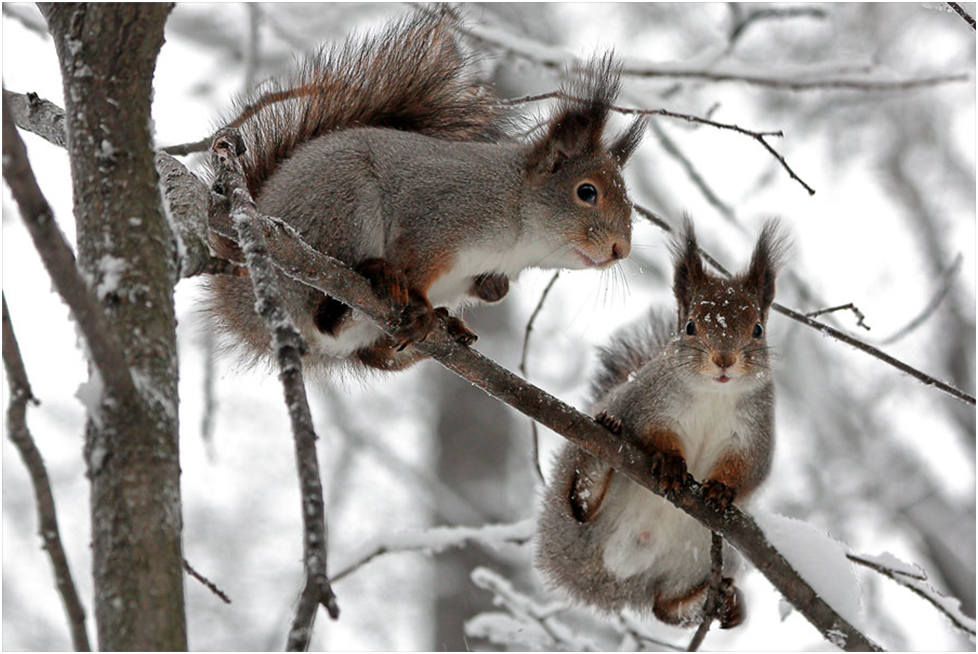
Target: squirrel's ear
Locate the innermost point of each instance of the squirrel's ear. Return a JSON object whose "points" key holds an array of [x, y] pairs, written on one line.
{"points": [[623, 146], [688, 267], [767, 260], [579, 119]]}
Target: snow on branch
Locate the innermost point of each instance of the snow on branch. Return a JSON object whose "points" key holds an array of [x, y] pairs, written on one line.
{"points": [[437, 539], [914, 578]]}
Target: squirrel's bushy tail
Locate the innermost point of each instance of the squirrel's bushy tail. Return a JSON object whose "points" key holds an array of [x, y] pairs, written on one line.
{"points": [[413, 76], [629, 350]]}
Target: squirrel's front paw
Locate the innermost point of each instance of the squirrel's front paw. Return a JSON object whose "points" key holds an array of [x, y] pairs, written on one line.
{"points": [[670, 470], [457, 329], [718, 494], [731, 612]]}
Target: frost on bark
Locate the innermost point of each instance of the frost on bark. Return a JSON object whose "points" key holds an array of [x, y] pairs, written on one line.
{"points": [[107, 54]]}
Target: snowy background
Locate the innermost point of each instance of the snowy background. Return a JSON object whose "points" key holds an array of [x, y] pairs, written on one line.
{"points": [[865, 454]]}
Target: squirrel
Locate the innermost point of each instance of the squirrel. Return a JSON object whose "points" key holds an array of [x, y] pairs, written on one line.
{"points": [[700, 400], [386, 154]]}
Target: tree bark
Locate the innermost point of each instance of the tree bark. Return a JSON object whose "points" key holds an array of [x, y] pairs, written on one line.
{"points": [[107, 54]]}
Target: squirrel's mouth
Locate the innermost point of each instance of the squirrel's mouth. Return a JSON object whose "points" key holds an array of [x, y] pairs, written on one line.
{"points": [[591, 263], [723, 379]]}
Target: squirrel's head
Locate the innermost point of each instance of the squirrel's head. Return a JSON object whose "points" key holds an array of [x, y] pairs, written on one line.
{"points": [[722, 322], [574, 176]]}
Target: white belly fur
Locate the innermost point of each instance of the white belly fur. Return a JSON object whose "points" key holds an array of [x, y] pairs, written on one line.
{"points": [[651, 536]]}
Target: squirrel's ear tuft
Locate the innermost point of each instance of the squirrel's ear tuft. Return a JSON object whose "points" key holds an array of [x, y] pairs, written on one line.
{"points": [[688, 267], [767, 260], [623, 146], [579, 119]]}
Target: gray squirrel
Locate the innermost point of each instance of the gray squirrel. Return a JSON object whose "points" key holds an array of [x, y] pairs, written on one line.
{"points": [[701, 401], [386, 154]]}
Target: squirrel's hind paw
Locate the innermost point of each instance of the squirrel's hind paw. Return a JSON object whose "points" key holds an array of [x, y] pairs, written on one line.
{"points": [[731, 613]]}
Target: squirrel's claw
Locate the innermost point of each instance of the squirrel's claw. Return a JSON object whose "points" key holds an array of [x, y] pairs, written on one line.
{"points": [[457, 329], [670, 470], [610, 423], [718, 494]]}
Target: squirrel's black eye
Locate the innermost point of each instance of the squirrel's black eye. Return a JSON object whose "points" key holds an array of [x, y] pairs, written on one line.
{"points": [[690, 328], [758, 331], [587, 193]]}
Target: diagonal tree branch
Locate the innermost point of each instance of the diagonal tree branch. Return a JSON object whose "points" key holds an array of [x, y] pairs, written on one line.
{"points": [[47, 519], [306, 265]]}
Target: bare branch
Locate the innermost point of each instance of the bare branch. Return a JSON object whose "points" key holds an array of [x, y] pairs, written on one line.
{"points": [[923, 378], [860, 317], [288, 346], [959, 10], [915, 581], [47, 519], [103, 346], [208, 584], [523, 371]]}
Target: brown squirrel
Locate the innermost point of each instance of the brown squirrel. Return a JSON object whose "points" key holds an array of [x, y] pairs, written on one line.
{"points": [[388, 156], [701, 401]]}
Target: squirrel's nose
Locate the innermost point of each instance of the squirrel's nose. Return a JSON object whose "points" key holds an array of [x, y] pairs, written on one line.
{"points": [[620, 249], [724, 359]]}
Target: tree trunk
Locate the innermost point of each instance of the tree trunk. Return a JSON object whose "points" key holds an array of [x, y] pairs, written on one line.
{"points": [[108, 55]]}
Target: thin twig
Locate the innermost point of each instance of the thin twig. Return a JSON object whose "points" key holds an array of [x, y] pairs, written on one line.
{"points": [[711, 607], [208, 584], [959, 10], [915, 583], [694, 175], [534, 432], [288, 346], [780, 13], [103, 345], [931, 307], [920, 376], [860, 317], [47, 519], [760, 137]]}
